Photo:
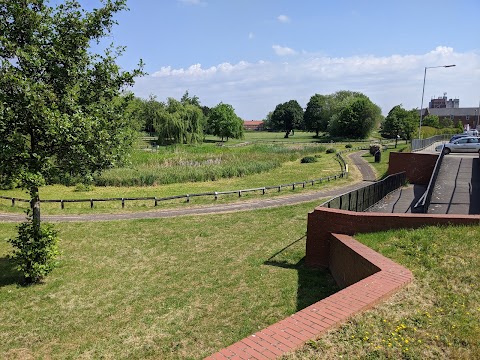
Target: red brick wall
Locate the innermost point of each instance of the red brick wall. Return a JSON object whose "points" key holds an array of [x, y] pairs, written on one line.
{"points": [[419, 167], [381, 277], [323, 221]]}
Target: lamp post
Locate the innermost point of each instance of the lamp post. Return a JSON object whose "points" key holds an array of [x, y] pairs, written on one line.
{"points": [[423, 92]]}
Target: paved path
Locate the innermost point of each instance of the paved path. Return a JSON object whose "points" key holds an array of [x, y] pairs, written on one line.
{"points": [[457, 189], [356, 158]]}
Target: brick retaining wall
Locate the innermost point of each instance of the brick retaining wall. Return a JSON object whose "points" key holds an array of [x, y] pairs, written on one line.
{"points": [[378, 278], [323, 221], [419, 167]]}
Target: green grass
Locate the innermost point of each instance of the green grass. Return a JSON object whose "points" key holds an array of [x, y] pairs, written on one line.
{"points": [[435, 317], [381, 167], [289, 172], [178, 288]]}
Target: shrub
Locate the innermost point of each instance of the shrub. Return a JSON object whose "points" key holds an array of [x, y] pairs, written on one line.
{"points": [[330, 151], [81, 187], [308, 159], [35, 257], [348, 146]]}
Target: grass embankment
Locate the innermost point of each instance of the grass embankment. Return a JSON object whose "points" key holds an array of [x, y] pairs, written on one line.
{"points": [[290, 171], [435, 317], [381, 167], [178, 288]]}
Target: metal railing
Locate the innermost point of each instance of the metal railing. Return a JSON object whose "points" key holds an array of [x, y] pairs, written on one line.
{"points": [[424, 202], [420, 144], [364, 198]]}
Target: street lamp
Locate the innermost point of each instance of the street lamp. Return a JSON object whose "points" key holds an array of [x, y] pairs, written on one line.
{"points": [[423, 92]]}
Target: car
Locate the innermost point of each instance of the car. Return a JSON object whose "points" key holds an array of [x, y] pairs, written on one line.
{"points": [[458, 136], [461, 145]]}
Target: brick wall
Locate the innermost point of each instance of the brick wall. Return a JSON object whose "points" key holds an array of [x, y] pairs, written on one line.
{"points": [[378, 279], [323, 221], [419, 167]]}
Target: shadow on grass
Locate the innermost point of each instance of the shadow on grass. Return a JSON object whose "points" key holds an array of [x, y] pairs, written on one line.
{"points": [[313, 284], [8, 274]]}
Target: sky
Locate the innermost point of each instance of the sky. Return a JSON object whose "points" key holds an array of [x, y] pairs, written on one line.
{"points": [[256, 54]]}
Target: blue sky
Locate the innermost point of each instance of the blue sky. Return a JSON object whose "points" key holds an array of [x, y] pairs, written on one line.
{"points": [[255, 54]]}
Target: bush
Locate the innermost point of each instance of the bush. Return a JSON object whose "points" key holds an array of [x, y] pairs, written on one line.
{"points": [[308, 159], [35, 258], [81, 187], [348, 146], [330, 151]]}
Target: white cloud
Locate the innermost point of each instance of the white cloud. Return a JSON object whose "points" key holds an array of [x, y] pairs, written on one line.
{"points": [[283, 51], [254, 89], [283, 19]]}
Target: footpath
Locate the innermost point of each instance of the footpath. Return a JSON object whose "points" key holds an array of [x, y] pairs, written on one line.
{"points": [[365, 169]]}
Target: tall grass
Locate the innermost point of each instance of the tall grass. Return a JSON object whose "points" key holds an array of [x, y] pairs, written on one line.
{"points": [[179, 164]]}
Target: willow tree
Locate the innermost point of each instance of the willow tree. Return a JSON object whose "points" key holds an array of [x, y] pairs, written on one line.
{"points": [[60, 105], [179, 123]]}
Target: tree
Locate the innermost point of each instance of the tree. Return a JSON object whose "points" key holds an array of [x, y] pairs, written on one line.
{"points": [[179, 123], [317, 114], [287, 117], [61, 113], [431, 120], [356, 119], [399, 123], [224, 123], [446, 122]]}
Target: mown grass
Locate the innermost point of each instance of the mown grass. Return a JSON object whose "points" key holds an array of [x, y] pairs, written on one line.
{"points": [[435, 317], [178, 288]]}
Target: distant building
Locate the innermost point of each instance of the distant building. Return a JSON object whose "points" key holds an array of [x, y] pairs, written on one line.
{"points": [[256, 125], [441, 103], [451, 109]]}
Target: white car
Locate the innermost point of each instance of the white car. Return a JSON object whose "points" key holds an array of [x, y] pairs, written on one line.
{"points": [[462, 145]]}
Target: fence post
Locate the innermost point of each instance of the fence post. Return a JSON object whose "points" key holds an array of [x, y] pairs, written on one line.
{"points": [[263, 191], [62, 205], [13, 201], [293, 186], [239, 193], [188, 198], [216, 195], [91, 203], [155, 199], [123, 203]]}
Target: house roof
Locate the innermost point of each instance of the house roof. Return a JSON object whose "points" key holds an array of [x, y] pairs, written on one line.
{"points": [[441, 112], [252, 122]]}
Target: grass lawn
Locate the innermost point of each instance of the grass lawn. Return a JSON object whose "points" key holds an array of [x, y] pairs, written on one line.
{"points": [[435, 317], [178, 288]]}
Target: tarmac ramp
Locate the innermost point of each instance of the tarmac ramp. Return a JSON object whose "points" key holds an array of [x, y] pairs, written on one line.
{"points": [[457, 188]]}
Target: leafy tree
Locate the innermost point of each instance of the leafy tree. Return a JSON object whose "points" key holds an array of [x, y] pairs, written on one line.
{"points": [[317, 114], [356, 119], [287, 117], [61, 113], [446, 122], [150, 113], [179, 123], [399, 123], [431, 120], [224, 123]]}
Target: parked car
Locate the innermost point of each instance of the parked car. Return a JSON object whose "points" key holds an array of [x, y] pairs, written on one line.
{"points": [[458, 136], [463, 144]]}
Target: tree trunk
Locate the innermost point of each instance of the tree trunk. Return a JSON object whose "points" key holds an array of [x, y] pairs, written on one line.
{"points": [[35, 205]]}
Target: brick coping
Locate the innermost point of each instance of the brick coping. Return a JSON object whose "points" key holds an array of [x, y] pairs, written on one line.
{"points": [[292, 332]]}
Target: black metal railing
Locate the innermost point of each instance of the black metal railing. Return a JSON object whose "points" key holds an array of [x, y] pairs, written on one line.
{"points": [[364, 198]]}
